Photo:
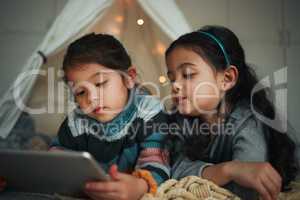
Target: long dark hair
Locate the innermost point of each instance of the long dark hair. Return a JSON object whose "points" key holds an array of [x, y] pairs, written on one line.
{"points": [[283, 158]]}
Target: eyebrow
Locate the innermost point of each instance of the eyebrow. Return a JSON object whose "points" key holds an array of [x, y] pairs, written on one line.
{"points": [[96, 74], [183, 65], [91, 77]]}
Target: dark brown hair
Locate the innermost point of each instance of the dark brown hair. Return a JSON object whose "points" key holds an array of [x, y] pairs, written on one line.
{"points": [[281, 149], [101, 49]]}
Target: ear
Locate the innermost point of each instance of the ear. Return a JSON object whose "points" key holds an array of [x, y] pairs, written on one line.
{"points": [[130, 80], [230, 77]]}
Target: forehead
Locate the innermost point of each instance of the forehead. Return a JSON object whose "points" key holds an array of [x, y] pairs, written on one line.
{"points": [[85, 72], [180, 58]]}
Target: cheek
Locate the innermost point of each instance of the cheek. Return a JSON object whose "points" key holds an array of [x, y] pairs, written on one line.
{"points": [[206, 96], [84, 105], [115, 95], [81, 102]]}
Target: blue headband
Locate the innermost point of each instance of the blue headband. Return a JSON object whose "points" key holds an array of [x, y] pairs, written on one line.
{"points": [[219, 44]]}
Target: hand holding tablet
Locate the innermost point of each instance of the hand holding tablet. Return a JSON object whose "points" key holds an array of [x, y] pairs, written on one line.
{"points": [[62, 172]]}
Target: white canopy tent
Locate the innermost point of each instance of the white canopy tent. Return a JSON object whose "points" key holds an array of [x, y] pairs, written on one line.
{"points": [[39, 85]]}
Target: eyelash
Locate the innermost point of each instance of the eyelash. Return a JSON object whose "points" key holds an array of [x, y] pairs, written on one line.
{"points": [[185, 76], [188, 76], [100, 84], [171, 79], [81, 93]]}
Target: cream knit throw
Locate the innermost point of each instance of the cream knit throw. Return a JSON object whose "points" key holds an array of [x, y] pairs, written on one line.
{"points": [[190, 188]]}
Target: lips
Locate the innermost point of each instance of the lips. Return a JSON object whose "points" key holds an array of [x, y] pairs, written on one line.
{"points": [[98, 110]]}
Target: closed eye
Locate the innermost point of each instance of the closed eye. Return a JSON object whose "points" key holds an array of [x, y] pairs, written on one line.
{"points": [[100, 84], [189, 75], [81, 93], [171, 80]]}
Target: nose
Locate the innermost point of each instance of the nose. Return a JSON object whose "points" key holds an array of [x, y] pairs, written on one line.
{"points": [[92, 97], [176, 87]]}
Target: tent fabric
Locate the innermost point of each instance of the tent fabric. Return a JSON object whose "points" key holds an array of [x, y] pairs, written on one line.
{"points": [[65, 27], [166, 15], [77, 18]]}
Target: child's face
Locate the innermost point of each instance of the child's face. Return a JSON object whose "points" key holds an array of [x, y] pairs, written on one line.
{"points": [[100, 92], [196, 86]]}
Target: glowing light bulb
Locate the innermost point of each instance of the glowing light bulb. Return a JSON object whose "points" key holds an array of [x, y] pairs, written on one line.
{"points": [[162, 79], [140, 22]]}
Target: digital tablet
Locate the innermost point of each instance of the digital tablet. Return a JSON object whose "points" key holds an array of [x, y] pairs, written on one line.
{"points": [[61, 172]]}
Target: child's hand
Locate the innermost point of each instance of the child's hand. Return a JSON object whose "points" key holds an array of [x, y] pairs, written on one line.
{"points": [[260, 176], [2, 184], [121, 187]]}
